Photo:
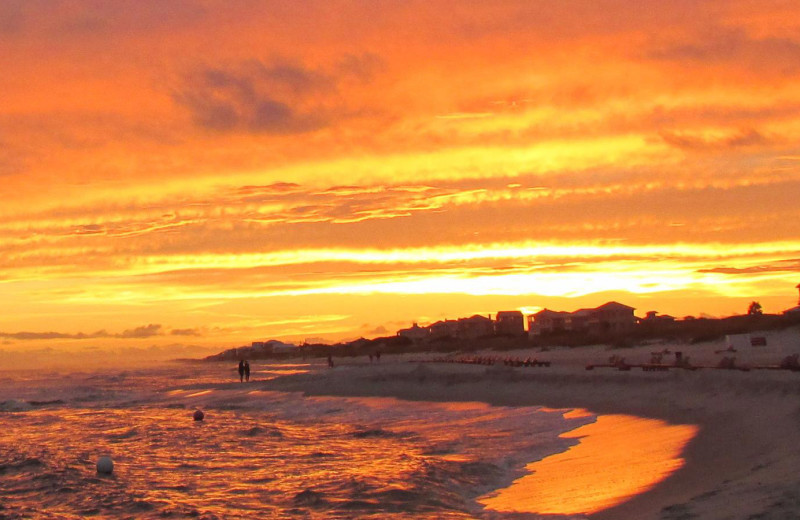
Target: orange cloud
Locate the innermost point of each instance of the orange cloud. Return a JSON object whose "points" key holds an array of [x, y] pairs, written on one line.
{"points": [[258, 152]]}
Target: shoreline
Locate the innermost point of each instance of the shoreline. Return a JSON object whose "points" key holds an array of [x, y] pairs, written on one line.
{"points": [[741, 463]]}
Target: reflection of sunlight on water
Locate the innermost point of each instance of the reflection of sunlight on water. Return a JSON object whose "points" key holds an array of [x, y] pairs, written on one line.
{"points": [[577, 413], [391, 403], [282, 455], [617, 457], [464, 405], [282, 372], [203, 392], [228, 466]]}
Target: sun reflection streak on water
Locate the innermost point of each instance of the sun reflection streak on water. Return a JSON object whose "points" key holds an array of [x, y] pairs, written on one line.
{"points": [[279, 455], [258, 452], [226, 465], [617, 457], [198, 394]]}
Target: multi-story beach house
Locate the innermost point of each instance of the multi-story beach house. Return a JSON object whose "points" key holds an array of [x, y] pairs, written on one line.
{"points": [[476, 326], [611, 317], [415, 333], [511, 323], [444, 329], [547, 321], [272, 346], [581, 319]]}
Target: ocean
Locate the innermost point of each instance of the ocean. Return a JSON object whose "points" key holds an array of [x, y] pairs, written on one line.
{"points": [[257, 453]]}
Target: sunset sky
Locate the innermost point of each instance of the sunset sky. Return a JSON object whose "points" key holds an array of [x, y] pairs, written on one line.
{"points": [[208, 173]]}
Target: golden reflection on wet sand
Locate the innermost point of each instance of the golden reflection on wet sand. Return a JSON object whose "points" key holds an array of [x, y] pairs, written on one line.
{"points": [[617, 456], [198, 394]]}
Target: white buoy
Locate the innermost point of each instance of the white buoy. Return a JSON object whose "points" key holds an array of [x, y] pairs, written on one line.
{"points": [[199, 415], [105, 465]]}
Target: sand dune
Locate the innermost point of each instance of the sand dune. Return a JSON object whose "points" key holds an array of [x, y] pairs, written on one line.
{"points": [[742, 464]]}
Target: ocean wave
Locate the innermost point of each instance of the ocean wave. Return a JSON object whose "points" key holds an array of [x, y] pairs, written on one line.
{"points": [[124, 434], [25, 465], [51, 402], [258, 431], [271, 455], [374, 432], [15, 405], [310, 497], [321, 455]]}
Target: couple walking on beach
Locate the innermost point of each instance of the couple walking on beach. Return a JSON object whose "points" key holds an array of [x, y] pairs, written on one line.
{"points": [[244, 370]]}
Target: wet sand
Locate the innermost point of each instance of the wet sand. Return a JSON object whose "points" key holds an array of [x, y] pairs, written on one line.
{"points": [[617, 457], [741, 464]]}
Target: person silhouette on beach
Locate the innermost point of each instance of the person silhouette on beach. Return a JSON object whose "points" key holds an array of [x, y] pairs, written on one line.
{"points": [[330, 360], [241, 370], [247, 371]]}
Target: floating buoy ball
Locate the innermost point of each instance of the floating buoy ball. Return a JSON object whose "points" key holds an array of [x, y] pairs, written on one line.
{"points": [[199, 415], [105, 465]]}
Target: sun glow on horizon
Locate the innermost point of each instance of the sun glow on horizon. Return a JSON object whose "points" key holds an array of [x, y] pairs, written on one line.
{"points": [[208, 176]]}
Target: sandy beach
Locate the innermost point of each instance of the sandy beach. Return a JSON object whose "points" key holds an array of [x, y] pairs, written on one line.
{"points": [[741, 464]]}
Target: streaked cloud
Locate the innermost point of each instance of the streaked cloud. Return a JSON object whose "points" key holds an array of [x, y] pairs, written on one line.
{"points": [[239, 169], [144, 331], [736, 48]]}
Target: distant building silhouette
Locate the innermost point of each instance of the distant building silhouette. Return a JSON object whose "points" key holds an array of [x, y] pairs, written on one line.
{"points": [[444, 329], [476, 326], [611, 317], [510, 323], [794, 311], [415, 333], [272, 346], [547, 321], [654, 317]]}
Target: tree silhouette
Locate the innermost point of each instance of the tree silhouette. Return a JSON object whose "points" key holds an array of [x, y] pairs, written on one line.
{"points": [[755, 309]]}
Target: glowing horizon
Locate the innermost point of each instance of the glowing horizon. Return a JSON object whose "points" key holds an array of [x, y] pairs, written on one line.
{"points": [[208, 173]]}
